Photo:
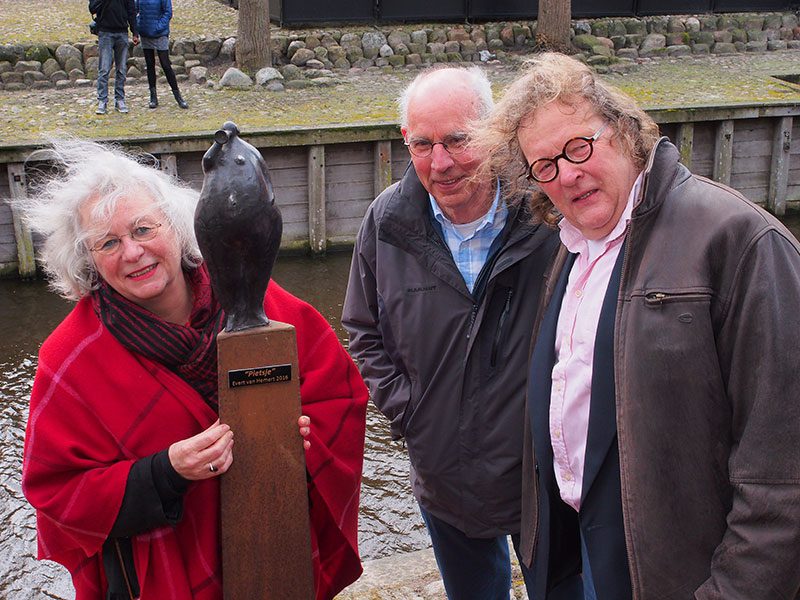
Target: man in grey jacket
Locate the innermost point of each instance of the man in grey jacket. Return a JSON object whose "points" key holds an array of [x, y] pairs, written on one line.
{"points": [[443, 290]]}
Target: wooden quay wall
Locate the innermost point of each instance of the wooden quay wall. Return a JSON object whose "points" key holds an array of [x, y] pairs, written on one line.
{"points": [[325, 178]]}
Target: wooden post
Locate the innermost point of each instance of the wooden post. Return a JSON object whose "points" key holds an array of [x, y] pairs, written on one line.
{"points": [[266, 537], [723, 152], [382, 171], [168, 164], [779, 171], [317, 232], [685, 143], [26, 263]]}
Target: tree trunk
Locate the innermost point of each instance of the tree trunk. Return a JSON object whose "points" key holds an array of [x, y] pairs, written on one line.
{"points": [[252, 41], [553, 25]]}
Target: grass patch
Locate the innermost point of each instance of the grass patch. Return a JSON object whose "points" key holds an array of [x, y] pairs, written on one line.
{"points": [[45, 22]]}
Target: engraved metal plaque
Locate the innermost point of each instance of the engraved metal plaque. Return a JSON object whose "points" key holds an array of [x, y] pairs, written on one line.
{"points": [[259, 375]]}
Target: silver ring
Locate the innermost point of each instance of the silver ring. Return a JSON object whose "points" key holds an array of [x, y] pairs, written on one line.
{"points": [[212, 468]]}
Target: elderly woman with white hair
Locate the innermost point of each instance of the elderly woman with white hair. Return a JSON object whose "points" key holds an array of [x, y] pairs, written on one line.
{"points": [[124, 447]]}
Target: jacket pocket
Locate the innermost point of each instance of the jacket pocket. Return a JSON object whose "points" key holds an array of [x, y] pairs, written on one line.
{"points": [[655, 298], [408, 411]]}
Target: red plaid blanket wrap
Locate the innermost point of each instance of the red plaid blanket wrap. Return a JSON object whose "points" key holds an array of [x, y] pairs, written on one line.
{"points": [[96, 408]]}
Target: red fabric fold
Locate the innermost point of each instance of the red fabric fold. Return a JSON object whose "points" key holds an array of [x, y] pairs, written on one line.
{"points": [[96, 408]]}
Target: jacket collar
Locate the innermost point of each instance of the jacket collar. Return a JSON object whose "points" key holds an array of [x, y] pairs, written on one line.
{"points": [[408, 223], [662, 173]]}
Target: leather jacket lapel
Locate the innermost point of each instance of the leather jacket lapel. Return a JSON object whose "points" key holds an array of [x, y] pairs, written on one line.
{"points": [[541, 370]]}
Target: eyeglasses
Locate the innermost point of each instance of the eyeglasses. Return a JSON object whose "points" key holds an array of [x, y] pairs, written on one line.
{"points": [[454, 144], [141, 232], [577, 150]]}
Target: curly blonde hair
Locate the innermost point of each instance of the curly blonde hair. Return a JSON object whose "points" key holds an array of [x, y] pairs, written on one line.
{"points": [[551, 77]]}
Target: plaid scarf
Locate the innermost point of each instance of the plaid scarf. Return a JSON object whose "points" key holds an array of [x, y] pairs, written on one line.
{"points": [[190, 351]]}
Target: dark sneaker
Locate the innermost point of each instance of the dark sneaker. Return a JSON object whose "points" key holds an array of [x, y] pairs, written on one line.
{"points": [[121, 106], [102, 108]]}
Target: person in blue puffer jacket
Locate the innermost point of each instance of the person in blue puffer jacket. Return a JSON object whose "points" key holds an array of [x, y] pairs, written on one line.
{"points": [[152, 21]]}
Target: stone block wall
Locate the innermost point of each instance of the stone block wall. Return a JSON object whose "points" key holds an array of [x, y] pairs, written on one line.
{"points": [[615, 44]]}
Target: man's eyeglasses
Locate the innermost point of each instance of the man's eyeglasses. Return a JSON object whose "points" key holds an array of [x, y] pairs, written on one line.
{"points": [[143, 231], [577, 150], [454, 144]]}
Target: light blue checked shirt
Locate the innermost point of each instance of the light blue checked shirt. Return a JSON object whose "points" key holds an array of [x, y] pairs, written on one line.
{"points": [[470, 252]]}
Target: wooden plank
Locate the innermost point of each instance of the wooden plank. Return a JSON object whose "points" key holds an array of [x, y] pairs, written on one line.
{"points": [[293, 200], [351, 208], [793, 188], [344, 192], [779, 170], [316, 199], [752, 179], [754, 133], [17, 182], [703, 149], [266, 537], [344, 229], [723, 152], [382, 170], [169, 164], [721, 113], [754, 164], [349, 154], [400, 159], [685, 142], [291, 177], [284, 158], [350, 173], [8, 248]]}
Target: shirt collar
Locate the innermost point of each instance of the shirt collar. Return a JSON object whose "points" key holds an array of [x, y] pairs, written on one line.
{"points": [[487, 220], [575, 241]]}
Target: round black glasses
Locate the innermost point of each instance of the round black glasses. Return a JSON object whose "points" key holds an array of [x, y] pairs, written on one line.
{"points": [[577, 150]]}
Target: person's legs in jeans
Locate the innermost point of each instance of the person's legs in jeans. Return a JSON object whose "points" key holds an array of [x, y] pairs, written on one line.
{"points": [[471, 568], [105, 45], [120, 60]]}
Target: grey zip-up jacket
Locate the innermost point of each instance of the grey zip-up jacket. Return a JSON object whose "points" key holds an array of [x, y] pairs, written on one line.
{"points": [[447, 367]]}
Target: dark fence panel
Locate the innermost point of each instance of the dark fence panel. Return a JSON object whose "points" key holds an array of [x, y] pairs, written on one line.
{"points": [[301, 12], [676, 7], [609, 8], [748, 5], [421, 10], [493, 10]]}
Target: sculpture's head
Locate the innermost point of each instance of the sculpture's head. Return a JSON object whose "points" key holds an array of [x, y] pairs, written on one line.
{"points": [[234, 165]]}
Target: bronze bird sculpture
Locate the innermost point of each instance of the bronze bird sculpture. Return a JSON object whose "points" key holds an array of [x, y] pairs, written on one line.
{"points": [[238, 227]]}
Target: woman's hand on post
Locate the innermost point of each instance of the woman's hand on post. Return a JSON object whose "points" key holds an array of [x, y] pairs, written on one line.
{"points": [[205, 455], [304, 423]]}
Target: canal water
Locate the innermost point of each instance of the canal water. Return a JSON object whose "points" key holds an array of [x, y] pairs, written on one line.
{"points": [[389, 521]]}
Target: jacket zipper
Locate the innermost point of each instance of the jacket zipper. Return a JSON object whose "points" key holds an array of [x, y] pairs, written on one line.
{"points": [[655, 299], [473, 313], [500, 323]]}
